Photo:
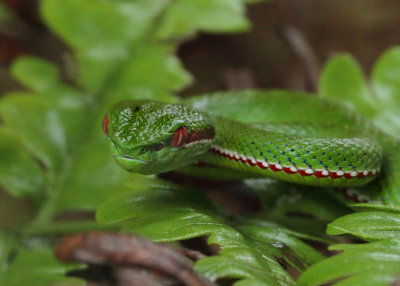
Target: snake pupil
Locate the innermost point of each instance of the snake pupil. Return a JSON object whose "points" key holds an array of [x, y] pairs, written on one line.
{"points": [[158, 147], [105, 125]]}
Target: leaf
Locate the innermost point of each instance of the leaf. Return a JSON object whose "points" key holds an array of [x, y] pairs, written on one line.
{"points": [[107, 47], [386, 86], [376, 263], [298, 208], [7, 245], [367, 225], [56, 132], [15, 164], [385, 79], [284, 239], [374, 207], [151, 72], [39, 268], [184, 17], [152, 204], [167, 212], [217, 267], [342, 80], [36, 74]]}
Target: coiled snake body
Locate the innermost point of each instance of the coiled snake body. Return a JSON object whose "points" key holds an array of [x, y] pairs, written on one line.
{"points": [[290, 137]]}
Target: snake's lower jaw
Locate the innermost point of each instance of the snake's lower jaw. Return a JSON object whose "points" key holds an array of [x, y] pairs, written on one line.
{"points": [[130, 164]]}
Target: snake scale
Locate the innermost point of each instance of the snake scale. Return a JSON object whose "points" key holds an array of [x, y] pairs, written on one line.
{"points": [[287, 136]]}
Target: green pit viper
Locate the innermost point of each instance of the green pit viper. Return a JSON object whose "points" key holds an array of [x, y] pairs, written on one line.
{"points": [[292, 137]]}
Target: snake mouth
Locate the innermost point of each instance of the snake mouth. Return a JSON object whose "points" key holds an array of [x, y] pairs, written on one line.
{"points": [[129, 159], [129, 163]]}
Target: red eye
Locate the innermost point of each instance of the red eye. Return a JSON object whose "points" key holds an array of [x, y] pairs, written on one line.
{"points": [[179, 138], [105, 125]]}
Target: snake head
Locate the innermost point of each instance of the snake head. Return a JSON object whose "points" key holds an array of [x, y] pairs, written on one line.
{"points": [[150, 137]]}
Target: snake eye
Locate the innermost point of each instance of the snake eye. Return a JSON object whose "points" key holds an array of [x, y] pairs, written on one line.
{"points": [[105, 125], [158, 146], [179, 137]]}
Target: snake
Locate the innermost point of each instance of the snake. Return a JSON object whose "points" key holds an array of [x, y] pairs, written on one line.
{"points": [[288, 136]]}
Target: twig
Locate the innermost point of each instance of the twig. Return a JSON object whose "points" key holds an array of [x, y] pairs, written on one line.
{"points": [[101, 248], [303, 50]]}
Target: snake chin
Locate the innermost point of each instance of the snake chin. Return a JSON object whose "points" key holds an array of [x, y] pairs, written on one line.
{"points": [[129, 159], [129, 163]]}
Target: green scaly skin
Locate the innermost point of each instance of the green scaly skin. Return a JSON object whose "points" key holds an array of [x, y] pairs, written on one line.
{"points": [[296, 138]]}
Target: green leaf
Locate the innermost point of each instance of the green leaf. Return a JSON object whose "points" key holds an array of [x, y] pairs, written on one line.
{"points": [[385, 79], [184, 17], [151, 72], [375, 207], [63, 152], [36, 74], [109, 49], [151, 205], [367, 225], [386, 86], [18, 171], [342, 80], [40, 268], [167, 212], [376, 263], [284, 239], [40, 128], [101, 34], [298, 208], [217, 267], [97, 26], [280, 198], [7, 245]]}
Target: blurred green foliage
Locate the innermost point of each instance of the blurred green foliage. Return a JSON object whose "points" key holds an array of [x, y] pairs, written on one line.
{"points": [[54, 153], [377, 100]]}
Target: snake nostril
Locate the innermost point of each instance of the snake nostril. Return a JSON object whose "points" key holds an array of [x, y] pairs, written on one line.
{"points": [[105, 125]]}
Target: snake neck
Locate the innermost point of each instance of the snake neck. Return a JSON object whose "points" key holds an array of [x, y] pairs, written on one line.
{"points": [[299, 159], [275, 166]]}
